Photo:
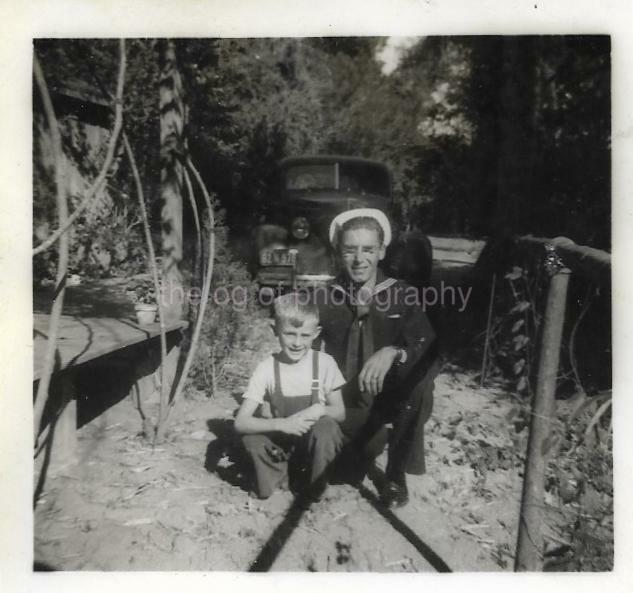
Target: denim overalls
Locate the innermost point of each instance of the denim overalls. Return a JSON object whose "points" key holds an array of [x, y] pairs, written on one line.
{"points": [[272, 452]]}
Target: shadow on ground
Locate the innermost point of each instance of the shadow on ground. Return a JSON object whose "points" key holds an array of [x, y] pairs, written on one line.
{"points": [[226, 457]]}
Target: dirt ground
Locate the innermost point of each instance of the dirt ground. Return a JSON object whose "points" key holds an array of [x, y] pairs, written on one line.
{"points": [[185, 505]]}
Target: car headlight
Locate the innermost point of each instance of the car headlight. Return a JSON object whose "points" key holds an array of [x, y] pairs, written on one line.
{"points": [[300, 227]]}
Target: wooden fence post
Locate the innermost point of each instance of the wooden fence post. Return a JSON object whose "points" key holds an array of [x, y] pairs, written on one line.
{"points": [[529, 553]]}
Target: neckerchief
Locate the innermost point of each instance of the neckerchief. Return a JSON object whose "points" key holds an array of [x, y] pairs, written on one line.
{"points": [[360, 338]]}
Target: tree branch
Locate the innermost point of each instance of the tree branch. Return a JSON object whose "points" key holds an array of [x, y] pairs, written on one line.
{"points": [[62, 264], [152, 260], [205, 289], [196, 218]]}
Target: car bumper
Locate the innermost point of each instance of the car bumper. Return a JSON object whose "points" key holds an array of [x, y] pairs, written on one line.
{"points": [[285, 277], [275, 276]]}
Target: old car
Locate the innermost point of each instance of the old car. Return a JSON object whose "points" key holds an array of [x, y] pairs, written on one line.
{"points": [[292, 245]]}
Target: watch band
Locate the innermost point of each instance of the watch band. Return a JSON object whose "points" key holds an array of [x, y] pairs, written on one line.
{"points": [[401, 357]]}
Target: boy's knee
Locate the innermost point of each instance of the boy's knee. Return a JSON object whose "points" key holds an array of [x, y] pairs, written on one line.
{"points": [[326, 432], [254, 443]]}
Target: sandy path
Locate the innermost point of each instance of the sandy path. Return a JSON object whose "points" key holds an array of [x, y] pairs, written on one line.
{"points": [[125, 506]]}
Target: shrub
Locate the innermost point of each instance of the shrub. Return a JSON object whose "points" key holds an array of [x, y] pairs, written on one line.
{"points": [[228, 318]]}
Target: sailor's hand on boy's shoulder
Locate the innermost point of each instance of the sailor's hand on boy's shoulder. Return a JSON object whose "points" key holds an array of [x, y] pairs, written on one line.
{"points": [[297, 424]]}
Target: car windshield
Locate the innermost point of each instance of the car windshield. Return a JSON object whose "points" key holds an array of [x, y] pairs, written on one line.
{"points": [[361, 178]]}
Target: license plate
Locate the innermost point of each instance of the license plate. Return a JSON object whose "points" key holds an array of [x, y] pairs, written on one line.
{"points": [[278, 257]]}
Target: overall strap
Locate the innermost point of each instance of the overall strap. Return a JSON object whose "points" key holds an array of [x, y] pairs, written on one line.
{"points": [[314, 391], [276, 397], [277, 385]]}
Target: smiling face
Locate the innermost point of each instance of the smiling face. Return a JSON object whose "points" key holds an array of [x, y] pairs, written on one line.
{"points": [[296, 337], [361, 249]]}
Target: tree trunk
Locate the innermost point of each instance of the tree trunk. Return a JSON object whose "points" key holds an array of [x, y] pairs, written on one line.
{"points": [[172, 122], [173, 117], [516, 147]]}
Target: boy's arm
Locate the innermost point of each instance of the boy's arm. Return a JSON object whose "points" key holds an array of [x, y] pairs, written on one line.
{"points": [[333, 407], [246, 423], [332, 382]]}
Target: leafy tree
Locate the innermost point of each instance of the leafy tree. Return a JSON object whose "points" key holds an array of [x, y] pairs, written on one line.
{"points": [[481, 133], [107, 237]]}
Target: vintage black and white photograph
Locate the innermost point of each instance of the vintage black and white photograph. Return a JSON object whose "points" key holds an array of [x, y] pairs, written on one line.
{"points": [[322, 304]]}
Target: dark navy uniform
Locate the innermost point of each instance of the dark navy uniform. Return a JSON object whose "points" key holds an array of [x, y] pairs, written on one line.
{"points": [[351, 334]]}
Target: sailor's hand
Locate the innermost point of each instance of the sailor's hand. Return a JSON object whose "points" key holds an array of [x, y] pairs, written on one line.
{"points": [[372, 376]]}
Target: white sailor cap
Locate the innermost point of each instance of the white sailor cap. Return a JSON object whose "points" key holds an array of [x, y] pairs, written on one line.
{"points": [[378, 215]]}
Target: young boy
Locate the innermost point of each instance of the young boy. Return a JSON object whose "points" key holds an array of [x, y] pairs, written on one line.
{"points": [[302, 389]]}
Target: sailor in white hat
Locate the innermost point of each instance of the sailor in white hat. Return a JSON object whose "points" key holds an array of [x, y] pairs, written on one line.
{"points": [[360, 213], [361, 237], [384, 343]]}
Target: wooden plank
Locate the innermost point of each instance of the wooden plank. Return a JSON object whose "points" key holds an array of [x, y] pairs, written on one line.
{"points": [[84, 339], [64, 445]]}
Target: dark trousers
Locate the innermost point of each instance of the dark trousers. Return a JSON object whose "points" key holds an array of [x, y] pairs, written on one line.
{"points": [[365, 433], [313, 452]]}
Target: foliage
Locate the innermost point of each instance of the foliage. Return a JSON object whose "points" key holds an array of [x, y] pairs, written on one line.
{"points": [[141, 291], [574, 130], [228, 320], [579, 476], [482, 133], [438, 171], [251, 102], [580, 484], [514, 330], [107, 237]]}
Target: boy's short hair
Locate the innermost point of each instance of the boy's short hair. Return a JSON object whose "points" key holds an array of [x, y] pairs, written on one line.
{"points": [[296, 308]]}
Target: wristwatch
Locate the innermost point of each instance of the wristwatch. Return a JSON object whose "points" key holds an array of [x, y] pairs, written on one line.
{"points": [[401, 356]]}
